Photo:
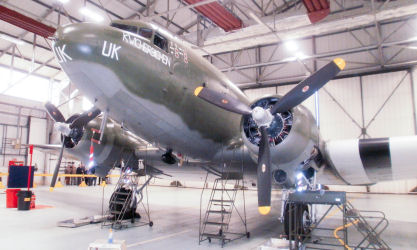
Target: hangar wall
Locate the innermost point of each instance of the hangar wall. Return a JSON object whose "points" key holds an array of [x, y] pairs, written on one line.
{"points": [[368, 106], [23, 121]]}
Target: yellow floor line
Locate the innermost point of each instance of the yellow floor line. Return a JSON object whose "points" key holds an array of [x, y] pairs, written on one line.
{"points": [[158, 238], [68, 175], [335, 210]]}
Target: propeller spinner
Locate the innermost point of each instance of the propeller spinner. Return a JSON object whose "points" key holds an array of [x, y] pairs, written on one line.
{"points": [[264, 117]]}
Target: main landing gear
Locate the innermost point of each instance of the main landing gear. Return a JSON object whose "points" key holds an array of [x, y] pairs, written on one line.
{"points": [[297, 221], [297, 218]]}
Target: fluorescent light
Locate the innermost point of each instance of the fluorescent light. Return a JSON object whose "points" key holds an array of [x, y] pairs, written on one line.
{"points": [[11, 39], [91, 14], [300, 55], [291, 45], [63, 1], [148, 149], [86, 104], [255, 18]]}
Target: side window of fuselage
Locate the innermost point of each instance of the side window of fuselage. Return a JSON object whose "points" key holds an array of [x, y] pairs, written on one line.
{"points": [[125, 27], [145, 32], [161, 42]]}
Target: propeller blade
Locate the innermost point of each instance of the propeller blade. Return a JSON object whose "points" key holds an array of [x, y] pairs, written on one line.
{"points": [[308, 86], [264, 174], [85, 118], [54, 112], [58, 164], [222, 101]]}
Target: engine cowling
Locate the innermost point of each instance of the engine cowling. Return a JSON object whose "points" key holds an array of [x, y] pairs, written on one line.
{"points": [[115, 145], [292, 135]]}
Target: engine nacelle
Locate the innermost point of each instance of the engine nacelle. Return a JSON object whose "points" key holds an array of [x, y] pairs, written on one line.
{"points": [[114, 146], [293, 135]]}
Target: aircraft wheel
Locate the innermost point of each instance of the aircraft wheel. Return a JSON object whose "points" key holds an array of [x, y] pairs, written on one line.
{"points": [[300, 221], [209, 239], [151, 223], [248, 235]]}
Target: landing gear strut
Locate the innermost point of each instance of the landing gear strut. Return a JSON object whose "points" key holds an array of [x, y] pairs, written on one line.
{"points": [[298, 217]]}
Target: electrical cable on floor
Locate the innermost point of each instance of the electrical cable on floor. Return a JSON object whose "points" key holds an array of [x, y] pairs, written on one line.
{"points": [[340, 228]]}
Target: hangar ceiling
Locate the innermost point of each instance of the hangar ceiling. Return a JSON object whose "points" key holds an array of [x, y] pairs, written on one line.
{"points": [[255, 42]]}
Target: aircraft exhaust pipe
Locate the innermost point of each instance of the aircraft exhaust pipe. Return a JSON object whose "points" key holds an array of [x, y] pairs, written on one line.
{"points": [[279, 176]]}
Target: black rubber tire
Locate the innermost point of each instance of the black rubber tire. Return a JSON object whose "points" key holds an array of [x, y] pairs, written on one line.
{"points": [[248, 235], [151, 223], [130, 212], [296, 217], [209, 239]]}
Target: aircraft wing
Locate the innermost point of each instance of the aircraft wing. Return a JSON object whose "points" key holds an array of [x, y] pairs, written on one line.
{"points": [[367, 161]]}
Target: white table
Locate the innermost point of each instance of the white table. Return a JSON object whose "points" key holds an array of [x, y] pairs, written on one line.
{"points": [[103, 245]]}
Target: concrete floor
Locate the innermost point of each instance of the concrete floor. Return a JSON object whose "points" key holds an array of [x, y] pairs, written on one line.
{"points": [[175, 213]]}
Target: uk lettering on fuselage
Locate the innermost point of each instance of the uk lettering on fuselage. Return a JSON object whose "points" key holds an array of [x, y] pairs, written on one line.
{"points": [[111, 50]]}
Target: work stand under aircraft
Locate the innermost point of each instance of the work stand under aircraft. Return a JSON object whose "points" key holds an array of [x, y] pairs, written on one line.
{"points": [[304, 232], [126, 199]]}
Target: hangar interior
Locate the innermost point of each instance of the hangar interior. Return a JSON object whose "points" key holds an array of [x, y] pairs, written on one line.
{"points": [[265, 47]]}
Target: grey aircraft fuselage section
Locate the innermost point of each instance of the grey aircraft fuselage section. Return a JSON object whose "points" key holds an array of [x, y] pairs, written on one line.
{"points": [[147, 88]]}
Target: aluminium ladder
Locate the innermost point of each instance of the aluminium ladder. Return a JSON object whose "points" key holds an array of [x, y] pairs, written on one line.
{"points": [[216, 221]]}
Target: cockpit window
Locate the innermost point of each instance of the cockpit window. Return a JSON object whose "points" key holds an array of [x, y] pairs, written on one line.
{"points": [[145, 32], [160, 41], [129, 28]]}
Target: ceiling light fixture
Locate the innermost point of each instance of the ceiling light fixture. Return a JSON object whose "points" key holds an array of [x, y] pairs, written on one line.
{"points": [[11, 39], [91, 14], [291, 45]]}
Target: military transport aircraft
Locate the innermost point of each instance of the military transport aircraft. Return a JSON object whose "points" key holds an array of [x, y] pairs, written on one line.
{"points": [[154, 84]]}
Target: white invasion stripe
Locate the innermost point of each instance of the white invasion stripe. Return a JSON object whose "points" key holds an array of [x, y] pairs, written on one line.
{"points": [[91, 156], [403, 157], [158, 238], [344, 154]]}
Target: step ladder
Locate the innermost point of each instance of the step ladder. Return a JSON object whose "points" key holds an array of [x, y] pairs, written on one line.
{"points": [[371, 231], [215, 224], [126, 198]]}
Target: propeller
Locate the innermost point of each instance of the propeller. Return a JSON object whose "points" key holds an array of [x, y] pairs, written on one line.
{"points": [[264, 117], [71, 129]]}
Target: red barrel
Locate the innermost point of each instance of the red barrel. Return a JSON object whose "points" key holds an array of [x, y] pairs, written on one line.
{"points": [[11, 197]]}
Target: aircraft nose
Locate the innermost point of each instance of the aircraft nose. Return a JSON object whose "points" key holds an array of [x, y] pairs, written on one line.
{"points": [[76, 32], [76, 41]]}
